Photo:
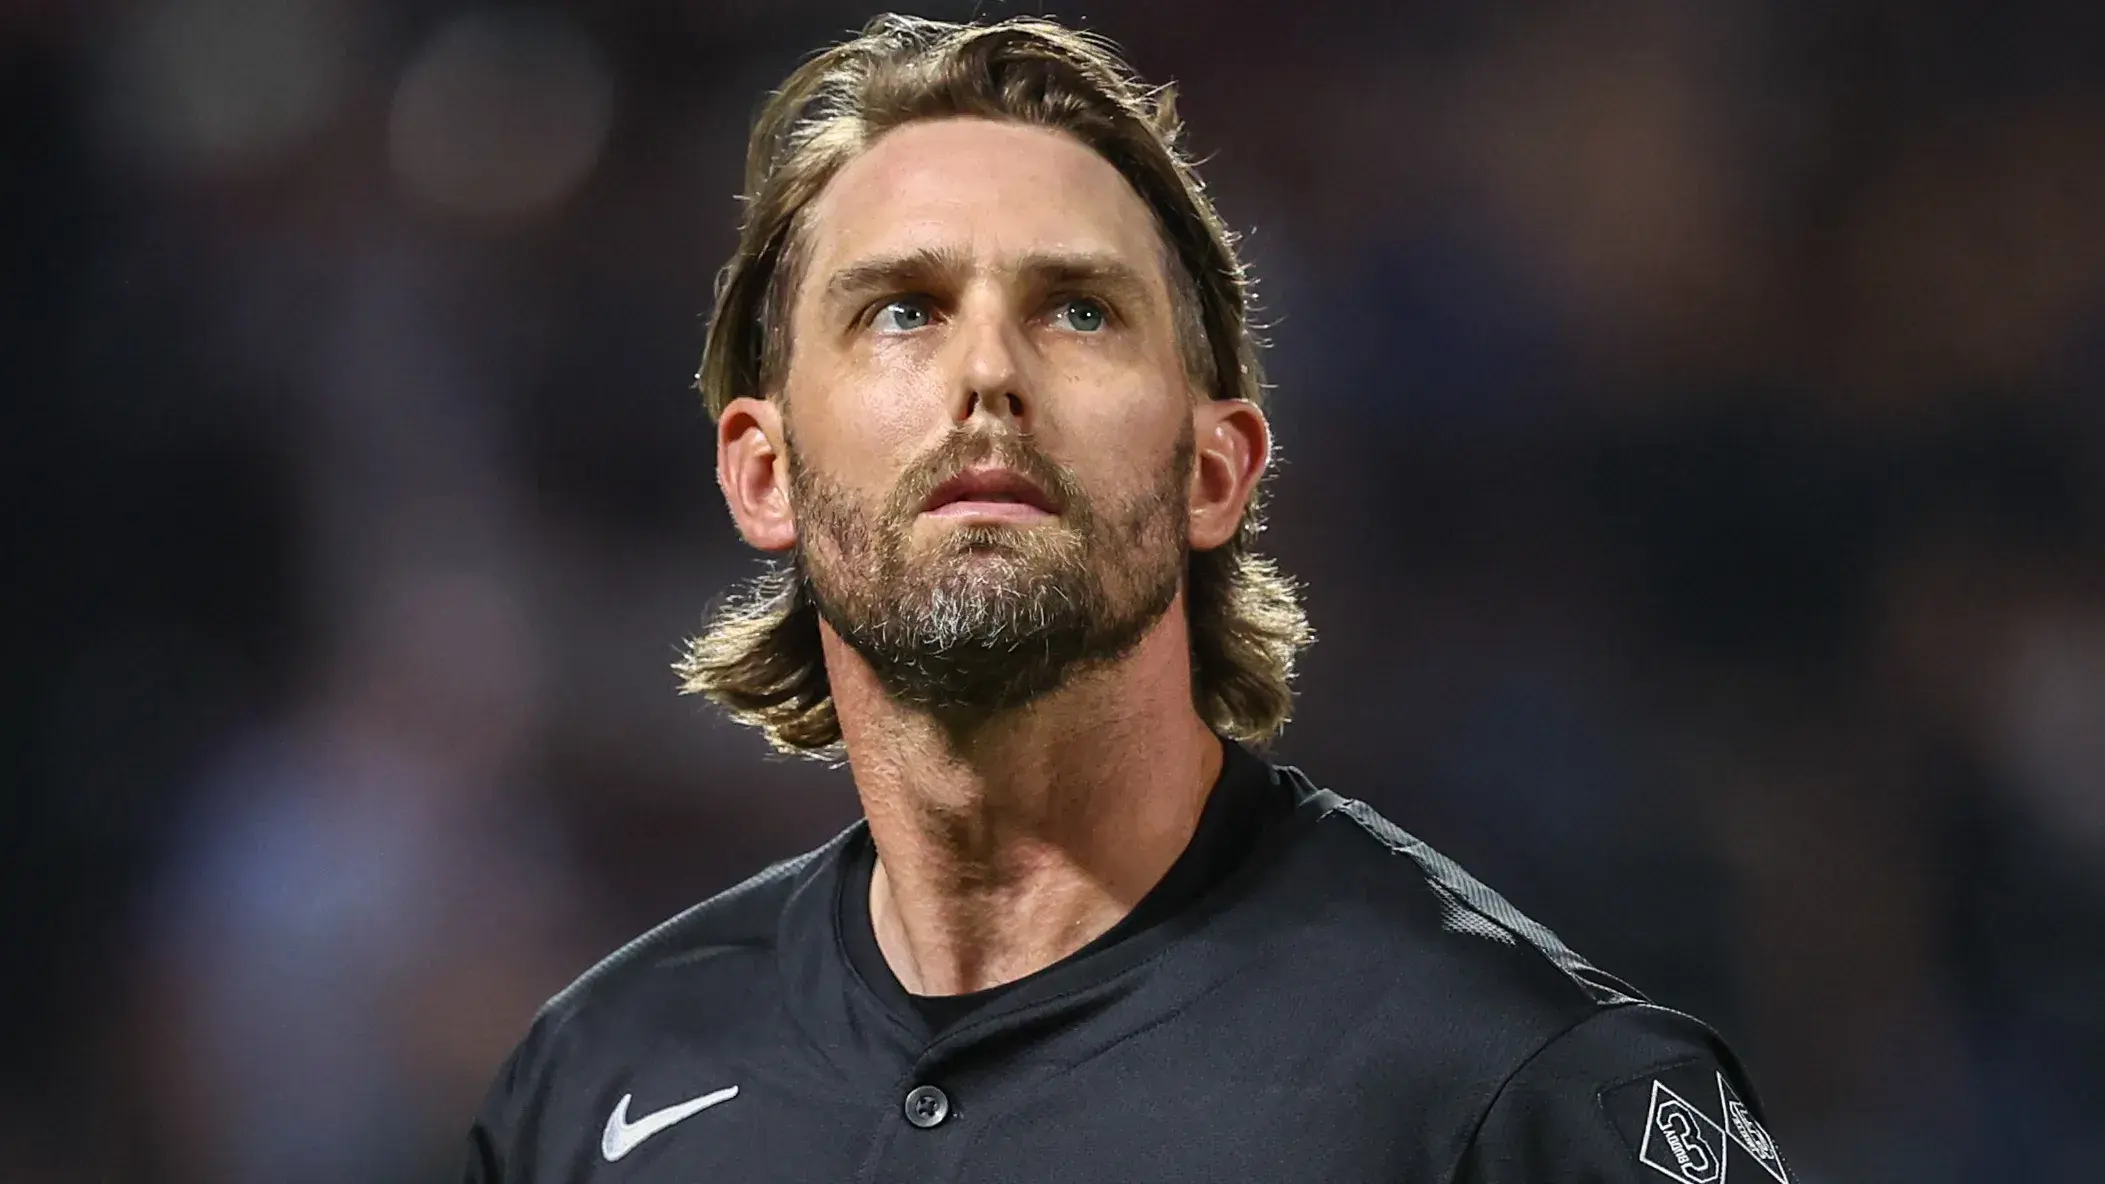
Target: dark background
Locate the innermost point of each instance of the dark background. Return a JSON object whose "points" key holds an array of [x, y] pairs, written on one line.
{"points": [[1693, 441]]}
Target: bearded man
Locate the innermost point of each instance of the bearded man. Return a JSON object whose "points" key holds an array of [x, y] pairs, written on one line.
{"points": [[981, 368]]}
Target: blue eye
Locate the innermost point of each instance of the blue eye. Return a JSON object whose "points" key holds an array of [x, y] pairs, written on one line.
{"points": [[902, 315], [1082, 315]]}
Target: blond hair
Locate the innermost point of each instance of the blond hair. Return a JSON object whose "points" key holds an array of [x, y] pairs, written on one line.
{"points": [[759, 655]]}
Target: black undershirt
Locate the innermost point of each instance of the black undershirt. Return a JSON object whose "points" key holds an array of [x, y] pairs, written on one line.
{"points": [[1234, 816]]}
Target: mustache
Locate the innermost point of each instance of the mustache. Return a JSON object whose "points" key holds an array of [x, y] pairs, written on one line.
{"points": [[965, 449]]}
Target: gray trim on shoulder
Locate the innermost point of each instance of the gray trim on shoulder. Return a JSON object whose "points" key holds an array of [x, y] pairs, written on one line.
{"points": [[1457, 888]]}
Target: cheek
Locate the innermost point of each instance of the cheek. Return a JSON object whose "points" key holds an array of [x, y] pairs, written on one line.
{"points": [[863, 428], [1124, 437], [896, 425], [1118, 413]]}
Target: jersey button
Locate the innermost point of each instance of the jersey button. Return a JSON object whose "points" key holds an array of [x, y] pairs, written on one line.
{"points": [[927, 1106]]}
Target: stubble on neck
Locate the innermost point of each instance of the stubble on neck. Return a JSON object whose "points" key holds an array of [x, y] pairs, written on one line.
{"points": [[1009, 843]]}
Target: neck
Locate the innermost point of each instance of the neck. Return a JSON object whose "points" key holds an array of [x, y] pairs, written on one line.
{"points": [[1007, 846]]}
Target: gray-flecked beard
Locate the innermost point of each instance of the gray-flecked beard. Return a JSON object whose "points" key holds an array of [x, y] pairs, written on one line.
{"points": [[991, 617]]}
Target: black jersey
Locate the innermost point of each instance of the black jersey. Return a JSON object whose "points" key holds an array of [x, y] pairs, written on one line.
{"points": [[1311, 995]]}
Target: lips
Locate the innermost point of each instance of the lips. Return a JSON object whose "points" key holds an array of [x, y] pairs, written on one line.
{"points": [[991, 486]]}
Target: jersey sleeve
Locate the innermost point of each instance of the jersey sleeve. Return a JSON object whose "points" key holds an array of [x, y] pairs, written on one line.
{"points": [[1632, 1095], [493, 1136]]}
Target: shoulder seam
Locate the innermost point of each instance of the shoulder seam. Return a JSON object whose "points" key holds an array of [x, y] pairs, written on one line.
{"points": [[559, 1009], [1476, 1129]]}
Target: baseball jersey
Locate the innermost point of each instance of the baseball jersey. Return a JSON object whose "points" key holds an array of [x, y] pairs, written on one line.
{"points": [[1309, 995]]}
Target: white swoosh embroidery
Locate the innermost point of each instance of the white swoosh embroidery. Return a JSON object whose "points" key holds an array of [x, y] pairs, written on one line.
{"points": [[622, 1136]]}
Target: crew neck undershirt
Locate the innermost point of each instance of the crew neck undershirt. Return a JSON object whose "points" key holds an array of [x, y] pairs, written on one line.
{"points": [[1229, 825]]}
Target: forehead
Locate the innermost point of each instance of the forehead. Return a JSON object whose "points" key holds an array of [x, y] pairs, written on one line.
{"points": [[985, 188]]}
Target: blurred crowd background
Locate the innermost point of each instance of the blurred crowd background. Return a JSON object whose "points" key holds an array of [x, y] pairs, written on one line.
{"points": [[1693, 422]]}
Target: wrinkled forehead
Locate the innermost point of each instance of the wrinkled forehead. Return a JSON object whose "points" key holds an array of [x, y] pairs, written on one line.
{"points": [[980, 190]]}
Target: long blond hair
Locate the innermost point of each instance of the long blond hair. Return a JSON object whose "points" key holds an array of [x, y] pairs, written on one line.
{"points": [[758, 656]]}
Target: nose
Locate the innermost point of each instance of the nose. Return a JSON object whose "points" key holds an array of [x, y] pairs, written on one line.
{"points": [[992, 372]]}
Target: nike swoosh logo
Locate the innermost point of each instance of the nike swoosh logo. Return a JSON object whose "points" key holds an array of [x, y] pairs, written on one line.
{"points": [[622, 1136]]}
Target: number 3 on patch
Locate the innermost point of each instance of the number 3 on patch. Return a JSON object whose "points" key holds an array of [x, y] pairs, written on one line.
{"points": [[1682, 1141]]}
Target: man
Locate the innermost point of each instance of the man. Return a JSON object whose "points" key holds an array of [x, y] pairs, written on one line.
{"points": [[981, 366]]}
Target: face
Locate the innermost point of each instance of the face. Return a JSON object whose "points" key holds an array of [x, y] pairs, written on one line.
{"points": [[987, 439]]}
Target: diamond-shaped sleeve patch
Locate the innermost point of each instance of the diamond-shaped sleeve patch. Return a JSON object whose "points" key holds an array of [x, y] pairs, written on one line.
{"points": [[1681, 1141], [1688, 1123]]}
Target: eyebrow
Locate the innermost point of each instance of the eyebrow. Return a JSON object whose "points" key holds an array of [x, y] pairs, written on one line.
{"points": [[926, 267]]}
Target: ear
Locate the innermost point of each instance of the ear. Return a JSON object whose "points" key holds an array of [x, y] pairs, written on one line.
{"points": [[752, 467], [1232, 444]]}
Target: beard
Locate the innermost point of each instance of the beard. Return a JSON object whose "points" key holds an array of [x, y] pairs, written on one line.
{"points": [[986, 618]]}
